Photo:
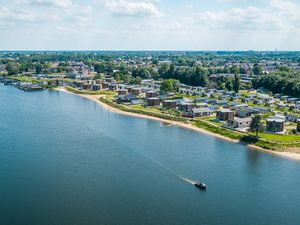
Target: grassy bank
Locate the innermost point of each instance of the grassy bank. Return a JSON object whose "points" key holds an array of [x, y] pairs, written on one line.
{"points": [[76, 91], [280, 143], [140, 111]]}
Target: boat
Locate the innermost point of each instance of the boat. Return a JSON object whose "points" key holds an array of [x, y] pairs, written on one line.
{"points": [[200, 185]]}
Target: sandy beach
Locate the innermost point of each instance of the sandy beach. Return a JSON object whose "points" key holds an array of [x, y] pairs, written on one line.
{"points": [[95, 98]]}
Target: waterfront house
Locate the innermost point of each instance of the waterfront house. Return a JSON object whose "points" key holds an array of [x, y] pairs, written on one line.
{"points": [[200, 112], [125, 98], [276, 124], [153, 101], [113, 86], [170, 104], [105, 85], [186, 106], [225, 115], [122, 92], [136, 101], [87, 86], [96, 87], [238, 122]]}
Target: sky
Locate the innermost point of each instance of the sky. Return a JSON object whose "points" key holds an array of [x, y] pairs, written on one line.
{"points": [[150, 25]]}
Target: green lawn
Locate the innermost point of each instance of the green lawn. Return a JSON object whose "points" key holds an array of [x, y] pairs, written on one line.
{"points": [[24, 79], [76, 91], [149, 109], [279, 138]]}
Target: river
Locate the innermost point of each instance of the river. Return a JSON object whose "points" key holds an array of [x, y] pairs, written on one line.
{"points": [[66, 160]]}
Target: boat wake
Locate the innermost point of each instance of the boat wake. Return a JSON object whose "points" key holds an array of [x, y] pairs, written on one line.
{"points": [[187, 180], [192, 182]]}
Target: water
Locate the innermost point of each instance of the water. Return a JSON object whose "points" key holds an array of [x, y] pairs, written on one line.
{"points": [[66, 160]]}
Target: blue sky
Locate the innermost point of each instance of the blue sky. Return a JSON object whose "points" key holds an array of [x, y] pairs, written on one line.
{"points": [[150, 24]]}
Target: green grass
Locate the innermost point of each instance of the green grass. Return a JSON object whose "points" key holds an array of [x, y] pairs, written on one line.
{"points": [[24, 79], [218, 130], [211, 120], [150, 109], [76, 91], [284, 142], [279, 138]]}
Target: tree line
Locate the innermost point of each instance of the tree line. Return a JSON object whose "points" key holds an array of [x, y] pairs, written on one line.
{"points": [[284, 82]]}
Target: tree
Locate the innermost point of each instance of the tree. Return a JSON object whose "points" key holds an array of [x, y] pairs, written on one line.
{"points": [[12, 68], [166, 86], [38, 68], [229, 85], [257, 70], [99, 68], [236, 83], [256, 125]]}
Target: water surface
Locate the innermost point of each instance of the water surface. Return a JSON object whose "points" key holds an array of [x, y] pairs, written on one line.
{"points": [[66, 160]]}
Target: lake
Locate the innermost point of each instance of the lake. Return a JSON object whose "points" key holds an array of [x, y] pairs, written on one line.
{"points": [[66, 160]]}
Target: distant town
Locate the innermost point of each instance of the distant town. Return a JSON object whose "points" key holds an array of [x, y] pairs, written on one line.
{"points": [[248, 96]]}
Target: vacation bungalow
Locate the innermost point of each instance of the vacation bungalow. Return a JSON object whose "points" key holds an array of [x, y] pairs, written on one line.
{"points": [[276, 124], [186, 106], [225, 115], [136, 91], [239, 122], [125, 98], [87, 86], [200, 112], [78, 84], [96, 87], [153, 101], [113, 86], [243, 113], [170, 104], [298, 125], [122, 92], [151, 94]]}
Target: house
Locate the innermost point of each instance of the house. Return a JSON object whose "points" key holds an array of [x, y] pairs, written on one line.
{"points": [[225, 114], [151, 94], [242, 113], [87, 86], [113, 86], [186, 106], [153, 101], [105, 85], [136, 91], [199, 112], [276, 124], [238, 122], [78, 83], [201, 105], [298, 125], [96, 87], [170, 104], [258, 109], [136, 101], [122, 92], [125, 98], [240, 106]]}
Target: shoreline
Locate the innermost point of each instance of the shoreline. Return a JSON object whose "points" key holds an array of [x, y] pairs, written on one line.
{"points": [[95, 98]]}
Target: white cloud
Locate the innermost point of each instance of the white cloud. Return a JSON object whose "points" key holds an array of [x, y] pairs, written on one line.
{"points": [[278, 16], [47, 3], [132, 7]]}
